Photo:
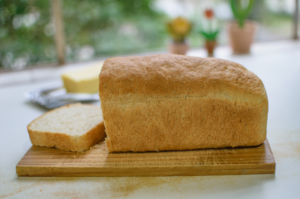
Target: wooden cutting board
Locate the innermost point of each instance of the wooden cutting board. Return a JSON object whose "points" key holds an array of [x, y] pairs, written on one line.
{"points": [[41, 161]]}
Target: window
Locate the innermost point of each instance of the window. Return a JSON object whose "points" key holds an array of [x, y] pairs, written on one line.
{"points": [[26, 33], [96, 28], [109, 27]]}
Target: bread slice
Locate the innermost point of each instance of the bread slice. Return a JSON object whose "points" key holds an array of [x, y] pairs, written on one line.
{"points": [[74, 127]]}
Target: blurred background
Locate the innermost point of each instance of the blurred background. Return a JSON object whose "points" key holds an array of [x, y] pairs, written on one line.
{"points": [[92, 29]]}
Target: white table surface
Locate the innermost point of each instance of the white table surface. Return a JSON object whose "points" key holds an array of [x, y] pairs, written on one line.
{"points": [[277, 64]]}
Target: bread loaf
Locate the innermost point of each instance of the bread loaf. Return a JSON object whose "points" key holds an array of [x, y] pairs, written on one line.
{"points": [[173, 102]]}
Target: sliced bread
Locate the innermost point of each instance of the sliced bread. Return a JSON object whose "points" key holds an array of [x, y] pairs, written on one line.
{"points": [[74, 127]]}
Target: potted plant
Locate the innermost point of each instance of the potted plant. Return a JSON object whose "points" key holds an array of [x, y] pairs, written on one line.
{"points": [[241, 32], [210, 34], [179, 28]]}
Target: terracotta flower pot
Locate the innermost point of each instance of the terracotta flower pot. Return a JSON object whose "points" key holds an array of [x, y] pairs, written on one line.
{"points": [[178, 48], [210, 47], [241, 38]]}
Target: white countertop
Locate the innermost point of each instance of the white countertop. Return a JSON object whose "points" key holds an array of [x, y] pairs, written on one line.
{"points": [[277, 64]]}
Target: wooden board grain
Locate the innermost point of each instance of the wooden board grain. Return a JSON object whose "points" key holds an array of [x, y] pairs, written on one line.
{"points": [[41, 161]]}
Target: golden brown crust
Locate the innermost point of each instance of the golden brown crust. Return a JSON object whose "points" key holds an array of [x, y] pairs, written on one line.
{"points": [[173, 102], [173, 75], [94, 136], [66, 142]]}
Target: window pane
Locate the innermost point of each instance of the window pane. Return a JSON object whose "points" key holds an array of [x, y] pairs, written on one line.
{"points": [[95, 28], [109, 27], [274, 17], [26, 33]]}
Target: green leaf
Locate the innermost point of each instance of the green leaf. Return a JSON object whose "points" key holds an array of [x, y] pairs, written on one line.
{"points": [[210, 36], [240, 14]]}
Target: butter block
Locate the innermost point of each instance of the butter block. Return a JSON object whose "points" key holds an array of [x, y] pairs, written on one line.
{"points": [[83, 80]]}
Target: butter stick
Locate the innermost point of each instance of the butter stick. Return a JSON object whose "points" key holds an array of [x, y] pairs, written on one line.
{"points": [[82, 80]]}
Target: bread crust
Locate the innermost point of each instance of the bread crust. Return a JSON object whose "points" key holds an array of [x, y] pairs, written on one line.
{"points": [[66, 142], [173, 102]]}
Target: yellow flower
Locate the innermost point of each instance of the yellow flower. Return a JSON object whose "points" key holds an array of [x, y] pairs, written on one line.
{"points": [[179, 28]]}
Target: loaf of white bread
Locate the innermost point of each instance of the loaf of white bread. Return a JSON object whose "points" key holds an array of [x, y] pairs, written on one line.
{"points": [[74, 127], [173, 102]]}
